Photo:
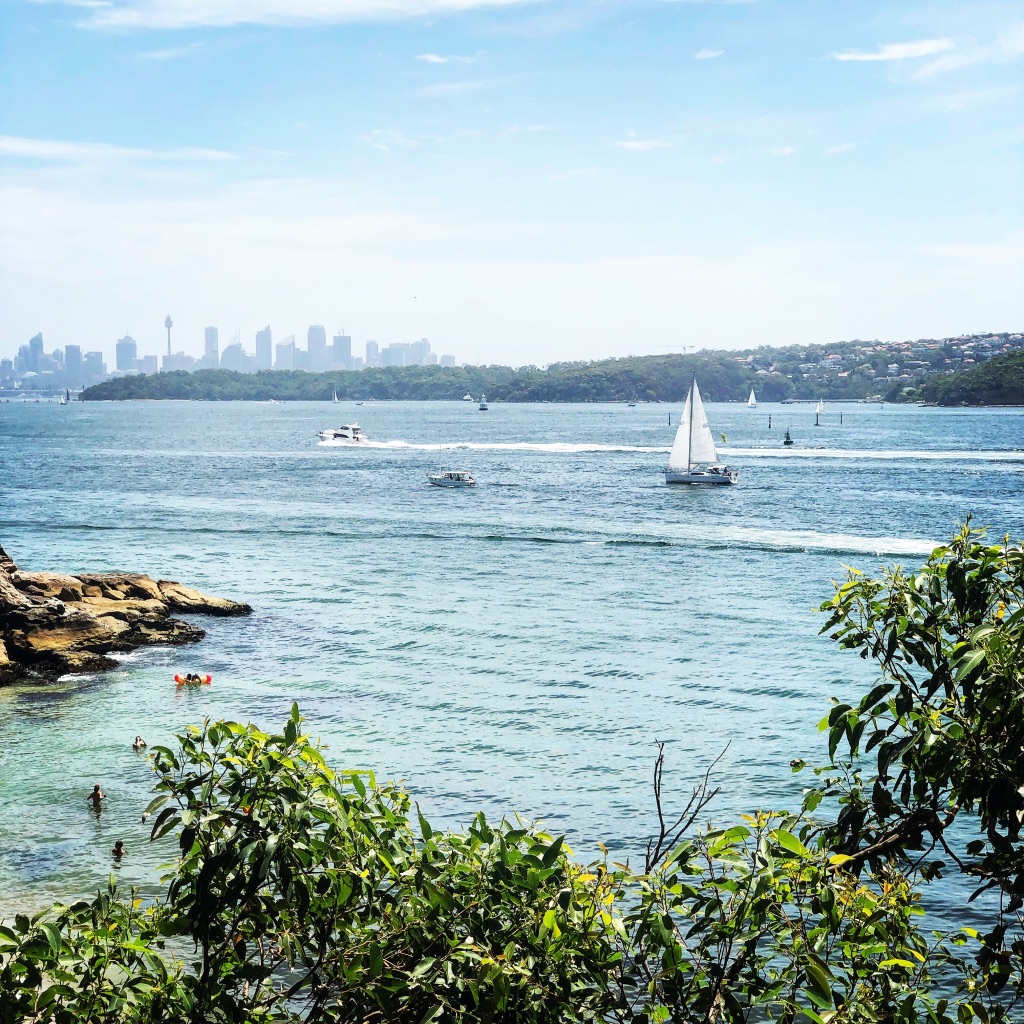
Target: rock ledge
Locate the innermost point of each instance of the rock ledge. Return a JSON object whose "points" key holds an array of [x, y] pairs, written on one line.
{"points": [[52, 624]]}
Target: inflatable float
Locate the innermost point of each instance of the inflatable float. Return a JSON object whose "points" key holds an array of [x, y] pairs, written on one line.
{"points": [[200, 681]]}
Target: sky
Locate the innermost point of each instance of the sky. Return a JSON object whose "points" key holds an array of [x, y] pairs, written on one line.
{"points": [[520, 181]]}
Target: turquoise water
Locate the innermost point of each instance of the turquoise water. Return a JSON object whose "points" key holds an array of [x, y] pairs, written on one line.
{"points": [[517, 647]]}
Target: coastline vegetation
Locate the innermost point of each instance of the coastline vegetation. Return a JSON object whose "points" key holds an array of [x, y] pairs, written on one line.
{"points": [[301, 893], [1000, 381]]}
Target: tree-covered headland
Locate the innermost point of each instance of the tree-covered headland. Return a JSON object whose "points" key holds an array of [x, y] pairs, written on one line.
{"points": [[1000, 381], [846, 371], [305, 893]]}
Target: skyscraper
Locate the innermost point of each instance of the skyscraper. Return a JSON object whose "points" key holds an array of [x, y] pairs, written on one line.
{"points": [[73, 363], [342, 352], [418, 352], [316, 346], [126, 353], [285, 354], [372, 354], [35, 352], [211, 351], [264, 349]]}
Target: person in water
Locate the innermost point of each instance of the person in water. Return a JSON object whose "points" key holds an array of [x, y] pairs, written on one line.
{"points": [[118, 851], [139, 743], [96, 796]]}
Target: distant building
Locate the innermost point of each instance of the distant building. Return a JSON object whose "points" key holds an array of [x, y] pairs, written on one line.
{"points": [[417, 353], [447, 360], [341, 352], [372, 354], [73, 363], [211, 347], [396, 354], [357, 363], [35, 352], [316, 347], [178, 361], [234, 357], [285, 354], [93, 366], [147, 364], [126, 352], [264, 349]]}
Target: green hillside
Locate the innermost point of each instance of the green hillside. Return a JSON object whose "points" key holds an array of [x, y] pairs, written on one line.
{"points": [[999, 381]]}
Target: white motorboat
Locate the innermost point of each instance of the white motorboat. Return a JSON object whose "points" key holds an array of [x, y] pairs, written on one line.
{"points": [[452, 478], [467, 398], [349, 433], [483, 403], [694, 457]]}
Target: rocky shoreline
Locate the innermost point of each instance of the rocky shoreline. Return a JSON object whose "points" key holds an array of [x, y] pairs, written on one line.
{"points": [[52, 624]]}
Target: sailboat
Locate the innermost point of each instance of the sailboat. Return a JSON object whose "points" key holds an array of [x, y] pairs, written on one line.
{"points": [[335, 396], [752, 400], [694, 457], [483, 403], [63, 400]]}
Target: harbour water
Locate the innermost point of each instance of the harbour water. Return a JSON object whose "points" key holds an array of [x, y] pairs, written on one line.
{"points": [[514, 647]]}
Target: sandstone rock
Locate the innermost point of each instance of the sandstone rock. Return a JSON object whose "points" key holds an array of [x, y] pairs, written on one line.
{"points": [[54, 623]]}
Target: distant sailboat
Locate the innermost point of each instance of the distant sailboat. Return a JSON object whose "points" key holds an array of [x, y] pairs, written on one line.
{"points": [[335, 396], [694, 457], [752, 400]]}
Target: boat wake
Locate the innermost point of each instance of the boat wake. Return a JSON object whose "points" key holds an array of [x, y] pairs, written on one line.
{"points": [[890, 454]]}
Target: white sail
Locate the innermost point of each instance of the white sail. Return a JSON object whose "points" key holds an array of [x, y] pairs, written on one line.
{"points": [[694, 444], [821, 407], [752, 400], [335, 395]]}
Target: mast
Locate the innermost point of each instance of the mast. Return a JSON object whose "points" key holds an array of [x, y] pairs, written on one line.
{"points": [[689, 426]]}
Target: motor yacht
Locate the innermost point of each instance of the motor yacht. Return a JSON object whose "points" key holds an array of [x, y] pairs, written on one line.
{"points": [[452, 478], [349, 433]]}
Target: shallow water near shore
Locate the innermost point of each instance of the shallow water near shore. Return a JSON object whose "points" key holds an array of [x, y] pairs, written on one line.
{"points": [[514, 647]]}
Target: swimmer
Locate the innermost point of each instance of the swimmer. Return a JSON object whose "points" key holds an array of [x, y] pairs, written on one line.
{"points": [[138, 743], [118, 851], [96, 796]]}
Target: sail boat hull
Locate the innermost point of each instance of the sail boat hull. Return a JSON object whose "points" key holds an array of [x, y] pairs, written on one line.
{"points": [[719, 478]]}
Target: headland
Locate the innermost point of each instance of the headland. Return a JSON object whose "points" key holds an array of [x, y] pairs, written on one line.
{"points": [[52, 624]]}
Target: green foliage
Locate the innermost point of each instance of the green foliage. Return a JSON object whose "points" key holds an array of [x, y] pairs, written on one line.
{"points": [[305, 894], [998, 381]]}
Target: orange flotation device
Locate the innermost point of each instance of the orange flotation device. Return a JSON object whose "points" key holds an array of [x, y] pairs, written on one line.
{"points": [[201, 681]]}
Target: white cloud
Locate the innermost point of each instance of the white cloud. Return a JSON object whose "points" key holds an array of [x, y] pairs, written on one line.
{"points": [[443, 90], [643, 144], [171, 53], [897, 51], [386, 140], [1008, 47], [707, 54], [842, 147], [54, 149], [574, 173], [782, 151], [177, 14], [436, 58]]}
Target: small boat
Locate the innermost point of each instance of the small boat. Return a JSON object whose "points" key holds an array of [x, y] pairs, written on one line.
{"points": [[349, 433], [483, 403], [467, 398], [632, 405], [694, 457], [62, 400], [452, 478], [752, 400], [335, 397], [359, 403], [194, 681], [787, 440]]}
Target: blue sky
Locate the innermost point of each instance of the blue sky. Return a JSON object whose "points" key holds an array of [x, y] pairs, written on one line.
{"points": [[518, 181]]}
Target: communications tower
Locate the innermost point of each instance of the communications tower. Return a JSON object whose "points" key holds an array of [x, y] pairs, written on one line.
{"points": [[168, 323]]}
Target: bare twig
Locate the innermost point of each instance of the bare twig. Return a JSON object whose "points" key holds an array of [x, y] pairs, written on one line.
{"points": [[670, 834]]}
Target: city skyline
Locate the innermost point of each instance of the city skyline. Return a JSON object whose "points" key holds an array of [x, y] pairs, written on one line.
{"points": [[527, 181]]}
